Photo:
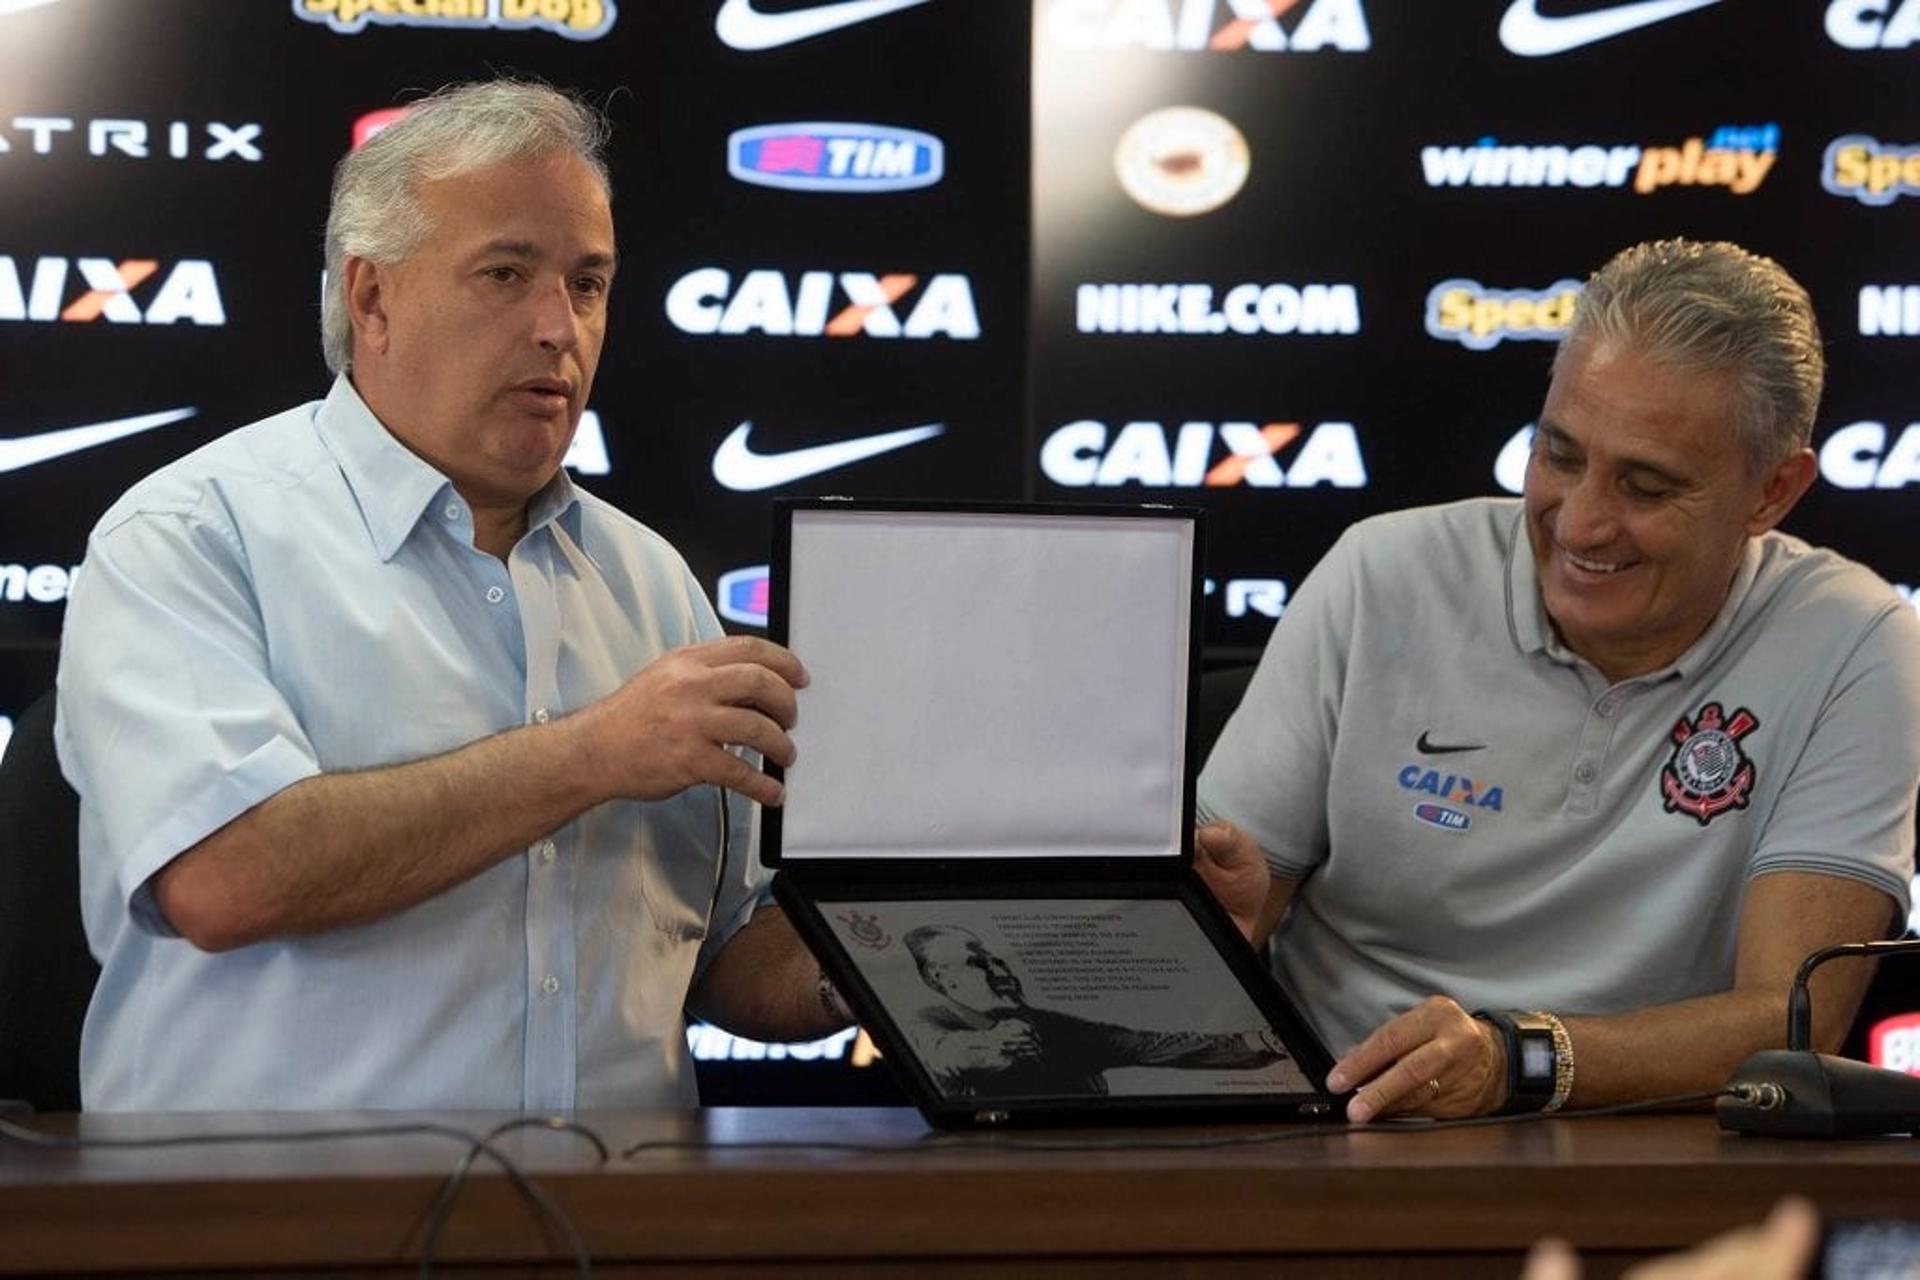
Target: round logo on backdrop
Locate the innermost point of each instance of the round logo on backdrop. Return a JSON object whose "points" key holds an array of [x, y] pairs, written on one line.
{"points": [[1182, 161]]}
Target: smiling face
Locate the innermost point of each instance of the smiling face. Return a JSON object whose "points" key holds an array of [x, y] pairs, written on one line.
{"points": [[1639, 502], [478, 351], [959, 966]]}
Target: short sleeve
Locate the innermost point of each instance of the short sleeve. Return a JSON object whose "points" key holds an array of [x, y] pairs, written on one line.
{"points": [[1269, 771], [1847, 808], [169, 725]]}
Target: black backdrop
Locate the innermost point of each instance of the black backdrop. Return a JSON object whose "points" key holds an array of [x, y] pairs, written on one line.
{"points": [[246, 104]]}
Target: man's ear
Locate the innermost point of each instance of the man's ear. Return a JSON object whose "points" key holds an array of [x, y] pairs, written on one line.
{"points": [[1784, 486], [366, 303]]}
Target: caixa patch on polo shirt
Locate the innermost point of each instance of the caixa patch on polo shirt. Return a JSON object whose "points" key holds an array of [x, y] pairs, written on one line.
{"points": [[1708, 774], [1455, 788]]}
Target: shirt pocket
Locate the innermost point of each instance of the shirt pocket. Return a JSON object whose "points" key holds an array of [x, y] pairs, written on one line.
{"points": [[680, 851]]}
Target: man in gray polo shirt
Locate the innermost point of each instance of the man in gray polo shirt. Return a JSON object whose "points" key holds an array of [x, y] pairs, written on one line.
{"points": [[1605, 763]]}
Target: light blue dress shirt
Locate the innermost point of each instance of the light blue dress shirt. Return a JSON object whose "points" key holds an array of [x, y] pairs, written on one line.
{"points": [[303, 595]]}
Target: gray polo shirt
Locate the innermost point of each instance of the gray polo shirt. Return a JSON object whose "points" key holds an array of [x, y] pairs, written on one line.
{"points": [[1477, 813]]}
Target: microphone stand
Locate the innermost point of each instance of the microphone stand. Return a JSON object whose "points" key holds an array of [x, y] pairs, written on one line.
{"points": [[1796, 1093]]}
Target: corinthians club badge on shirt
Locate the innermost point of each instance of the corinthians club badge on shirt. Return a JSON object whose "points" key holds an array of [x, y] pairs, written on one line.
{"points": [[1708, 774]]}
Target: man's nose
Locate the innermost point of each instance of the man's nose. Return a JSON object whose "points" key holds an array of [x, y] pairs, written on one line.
{"points": [[556, 326], [1589, 512]]}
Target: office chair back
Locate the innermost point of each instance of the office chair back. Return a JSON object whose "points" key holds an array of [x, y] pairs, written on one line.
{"points": [[46, 972]]}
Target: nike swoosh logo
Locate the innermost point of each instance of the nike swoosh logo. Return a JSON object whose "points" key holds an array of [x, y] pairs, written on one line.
{"points": [[739, 468], [1532, 34], [1429, 748], [744, 27], [25, 451]]}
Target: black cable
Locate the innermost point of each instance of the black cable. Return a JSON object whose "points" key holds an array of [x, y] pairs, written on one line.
{"points": [[1002, 1141], [551, 1213], [543, 1205]]}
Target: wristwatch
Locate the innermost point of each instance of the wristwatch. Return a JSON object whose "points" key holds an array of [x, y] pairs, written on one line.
{"points": [[1532, 1057]]}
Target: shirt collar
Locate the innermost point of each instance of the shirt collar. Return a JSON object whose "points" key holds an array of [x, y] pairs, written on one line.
{"points": [[395, 486], [1533, 633]]}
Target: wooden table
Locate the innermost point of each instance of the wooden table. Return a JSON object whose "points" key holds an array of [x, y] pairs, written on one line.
{"points": [[1109, 1202]]}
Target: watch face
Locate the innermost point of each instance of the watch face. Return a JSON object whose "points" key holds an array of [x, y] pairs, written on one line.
{"points": [[1536, 1059]]}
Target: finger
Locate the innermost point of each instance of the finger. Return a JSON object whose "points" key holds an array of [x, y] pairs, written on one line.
{"points": [[1791, 1234], [1552, 1259], [752, 649], [743, 727], [1217, 839], [1403, 1086], [725, 769], [1389, 1043], [746, 684]]}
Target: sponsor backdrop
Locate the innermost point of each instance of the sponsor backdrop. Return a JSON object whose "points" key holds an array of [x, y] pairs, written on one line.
{"points": [[1293, 260]]}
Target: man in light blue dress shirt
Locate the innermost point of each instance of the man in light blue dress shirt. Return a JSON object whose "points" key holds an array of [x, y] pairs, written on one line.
{"points": [[410, 775]]}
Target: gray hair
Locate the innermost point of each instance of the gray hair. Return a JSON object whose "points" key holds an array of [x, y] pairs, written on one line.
{"points": [[375, 212], [1715, 307]]}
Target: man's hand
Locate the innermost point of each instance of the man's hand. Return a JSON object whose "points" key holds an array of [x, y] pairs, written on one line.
{"points": [[670, 726], [1235, 872], [1435, 1042], [1778, 1249]]}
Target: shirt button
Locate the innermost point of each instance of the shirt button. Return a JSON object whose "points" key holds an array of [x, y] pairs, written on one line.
{"points": [[541, 716], [1584, 772], [1607, 706], [453, 511], [495, 595], [547, 851], [551, 986]]}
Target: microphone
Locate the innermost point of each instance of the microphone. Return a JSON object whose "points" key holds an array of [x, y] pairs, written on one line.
{"points": [[1795, 1093]]}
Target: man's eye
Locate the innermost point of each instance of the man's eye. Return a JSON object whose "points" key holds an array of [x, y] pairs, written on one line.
{"points": [[501, 275], [589, 286], [1648, 491]]}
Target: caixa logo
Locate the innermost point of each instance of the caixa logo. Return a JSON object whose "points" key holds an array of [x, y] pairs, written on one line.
{"points": [[850, 158], [1866, 455], [1204, 455], [742, 595], [823, 304], [129, 291], [1874, 24], [1220, 26], [574, 19]]}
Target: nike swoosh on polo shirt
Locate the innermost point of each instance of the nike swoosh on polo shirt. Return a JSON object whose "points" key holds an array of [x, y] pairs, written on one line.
{"points": [[738, 467], [1531, 34], [744, 27], [44, 446]]}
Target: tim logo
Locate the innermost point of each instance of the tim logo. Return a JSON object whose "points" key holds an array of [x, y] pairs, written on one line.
{"points": [[574, 19], [742, 596], [1440, 816], [850, 158], [130, 291]]}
